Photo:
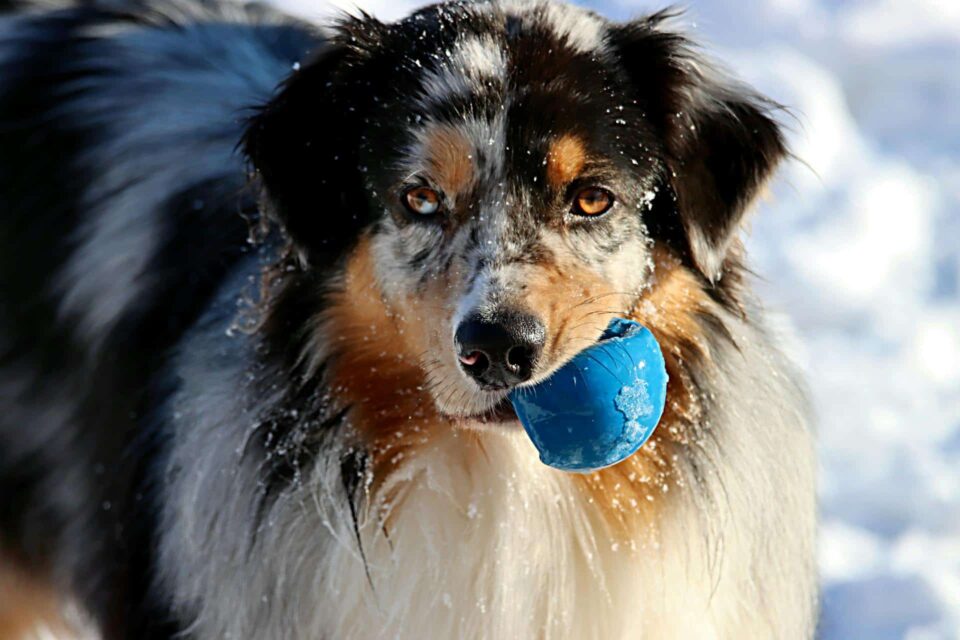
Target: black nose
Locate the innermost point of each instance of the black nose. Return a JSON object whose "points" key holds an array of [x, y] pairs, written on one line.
{"points": [[500, 352]]}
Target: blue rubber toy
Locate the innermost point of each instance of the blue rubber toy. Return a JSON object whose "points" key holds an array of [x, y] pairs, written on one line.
{"points": [[600, 407]]}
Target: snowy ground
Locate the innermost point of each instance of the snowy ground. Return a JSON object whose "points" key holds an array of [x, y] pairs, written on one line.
{"points": [[860, 248]]}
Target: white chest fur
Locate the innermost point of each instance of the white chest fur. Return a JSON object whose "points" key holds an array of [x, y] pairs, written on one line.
{"points": [[483, 541]]}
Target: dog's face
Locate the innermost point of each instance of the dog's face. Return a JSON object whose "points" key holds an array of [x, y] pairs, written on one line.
{"points": [[512, 168]]}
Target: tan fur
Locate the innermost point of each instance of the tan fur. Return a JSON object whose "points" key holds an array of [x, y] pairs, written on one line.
{"points": [[27, 603], [450, 160], [565, 160], [378, 375], [669, 307], [574, 302]]}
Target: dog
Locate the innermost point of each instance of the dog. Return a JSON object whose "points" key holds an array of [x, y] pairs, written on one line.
{"points": [[266, 286]]}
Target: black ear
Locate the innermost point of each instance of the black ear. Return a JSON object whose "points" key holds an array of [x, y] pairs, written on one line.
{"points": [[719, 142], [303, 145]]}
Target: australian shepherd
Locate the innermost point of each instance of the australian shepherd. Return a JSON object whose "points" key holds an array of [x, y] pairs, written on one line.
{"points": [[236, 254]]}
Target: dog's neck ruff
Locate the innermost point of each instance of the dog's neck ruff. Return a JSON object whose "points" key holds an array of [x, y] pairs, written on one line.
{"points": [[476, 538]]}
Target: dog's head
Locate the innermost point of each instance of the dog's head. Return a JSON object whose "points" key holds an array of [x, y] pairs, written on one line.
{"points": [[511, 167]]}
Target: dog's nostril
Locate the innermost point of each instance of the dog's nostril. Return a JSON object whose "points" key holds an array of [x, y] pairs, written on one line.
{"points": [[470, 358], [475, 362], [519, 358]]}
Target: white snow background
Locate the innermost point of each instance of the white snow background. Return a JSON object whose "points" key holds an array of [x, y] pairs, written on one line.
{"points": [[859, 248]]}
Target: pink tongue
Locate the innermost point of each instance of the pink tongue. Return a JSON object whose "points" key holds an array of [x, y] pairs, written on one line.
{"points": [[471, 358]]}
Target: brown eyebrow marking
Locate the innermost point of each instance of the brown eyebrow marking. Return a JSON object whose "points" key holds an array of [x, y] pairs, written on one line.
{"points": [[448, 154], [565, 160]]}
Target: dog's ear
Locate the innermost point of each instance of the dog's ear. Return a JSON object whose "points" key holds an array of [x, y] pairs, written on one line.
{"points": [[720, 143], [303, 145]]}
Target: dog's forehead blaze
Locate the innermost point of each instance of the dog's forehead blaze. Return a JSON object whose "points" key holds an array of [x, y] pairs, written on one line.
{"points": [[449, 156], [566, 157]]}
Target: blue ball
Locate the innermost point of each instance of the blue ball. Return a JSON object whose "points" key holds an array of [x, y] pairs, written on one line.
{"points": [[600, 407]]}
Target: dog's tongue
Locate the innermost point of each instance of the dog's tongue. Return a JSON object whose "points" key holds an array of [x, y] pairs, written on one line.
{"points": [[600, 407]]}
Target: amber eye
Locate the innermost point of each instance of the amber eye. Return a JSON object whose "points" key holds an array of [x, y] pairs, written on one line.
{"points": [[592, 201], [421, 201]]}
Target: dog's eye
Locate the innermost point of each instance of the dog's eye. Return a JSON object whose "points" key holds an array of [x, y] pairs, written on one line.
{"points": [[592, 201], [422, 201]]}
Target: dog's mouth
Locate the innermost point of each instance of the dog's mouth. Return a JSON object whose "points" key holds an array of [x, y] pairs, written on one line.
{"points": [[497, 409], [500, 414], [500, 411]]}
